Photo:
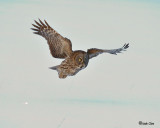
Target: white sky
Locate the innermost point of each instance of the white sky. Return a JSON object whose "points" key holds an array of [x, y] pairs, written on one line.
{"points": [[112, 92]]}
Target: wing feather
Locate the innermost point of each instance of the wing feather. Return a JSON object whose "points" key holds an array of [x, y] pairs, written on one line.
{"points": [[93, 52], [60, 47]]}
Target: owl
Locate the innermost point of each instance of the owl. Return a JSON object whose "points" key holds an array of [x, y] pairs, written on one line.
{"points": [[61, 47]]}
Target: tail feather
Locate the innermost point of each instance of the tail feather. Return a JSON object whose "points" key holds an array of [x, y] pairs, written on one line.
{"points": [[61, 75], [54, 67]]}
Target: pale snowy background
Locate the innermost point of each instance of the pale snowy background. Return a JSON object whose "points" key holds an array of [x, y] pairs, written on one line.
{"points": [[112, 92]]}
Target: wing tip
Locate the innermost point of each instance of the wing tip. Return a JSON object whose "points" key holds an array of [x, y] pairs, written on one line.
{"points": [[125, 46], [41, 24], [34, 29], [36, 33]]}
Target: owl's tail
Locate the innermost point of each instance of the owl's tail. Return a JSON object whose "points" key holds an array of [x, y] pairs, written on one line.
{"points": [[61, 75], [54, 67]]}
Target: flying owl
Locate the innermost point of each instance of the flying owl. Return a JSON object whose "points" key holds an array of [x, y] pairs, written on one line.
{"points": [[61, 47]]}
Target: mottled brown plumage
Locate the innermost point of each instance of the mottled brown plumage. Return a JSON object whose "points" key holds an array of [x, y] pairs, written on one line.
{"points": [[61, 47]]}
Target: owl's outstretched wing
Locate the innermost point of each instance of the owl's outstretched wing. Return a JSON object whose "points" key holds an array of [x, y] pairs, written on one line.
{"points": [[60, 47], [93, 52]]}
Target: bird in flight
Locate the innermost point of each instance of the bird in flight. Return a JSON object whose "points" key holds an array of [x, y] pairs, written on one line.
{"points": [[61, 47]]}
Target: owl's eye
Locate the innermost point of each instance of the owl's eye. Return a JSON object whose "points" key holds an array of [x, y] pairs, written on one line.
{"points": [[80, 59]]}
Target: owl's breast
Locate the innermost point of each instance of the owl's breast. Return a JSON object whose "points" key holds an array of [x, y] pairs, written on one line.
{"points": [[70, 66], [70, 70]]}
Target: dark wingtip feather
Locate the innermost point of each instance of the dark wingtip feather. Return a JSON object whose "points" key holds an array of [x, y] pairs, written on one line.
{"points": [[37, 23], [36, 26], [36, 33], [126, 46], [47, 24], [42, 23], [34, 29]]}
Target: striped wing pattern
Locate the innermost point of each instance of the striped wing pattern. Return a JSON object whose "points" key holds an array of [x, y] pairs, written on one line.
{"points": [[60, 47], [93, 52]]}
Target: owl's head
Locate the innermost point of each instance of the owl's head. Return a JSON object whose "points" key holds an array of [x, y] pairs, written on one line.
{"points": [[81, 58]]}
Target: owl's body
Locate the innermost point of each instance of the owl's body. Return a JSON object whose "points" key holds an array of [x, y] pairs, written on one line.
{"points": [[73, 64], [61, 47]]}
